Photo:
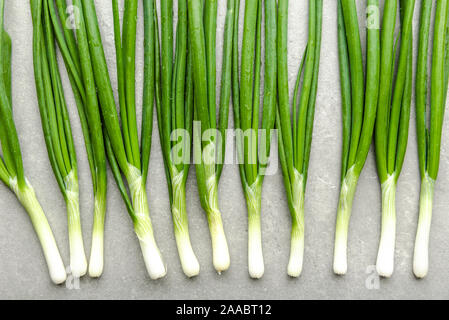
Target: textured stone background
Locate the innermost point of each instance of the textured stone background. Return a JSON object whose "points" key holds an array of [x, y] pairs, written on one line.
{"points": [[23, 273]]}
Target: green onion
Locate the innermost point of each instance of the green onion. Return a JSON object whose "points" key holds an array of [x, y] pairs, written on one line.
{"points": [[57, 130], [11, 166], [209, 153], [124, 150], [295, 122], [393, 117], [174, 106], [359, 110], [246, 102], [122, 143], [81, 77], [429, 131]]}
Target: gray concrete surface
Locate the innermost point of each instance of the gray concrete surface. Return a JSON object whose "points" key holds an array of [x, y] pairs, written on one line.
{"points": [[23, 273]]}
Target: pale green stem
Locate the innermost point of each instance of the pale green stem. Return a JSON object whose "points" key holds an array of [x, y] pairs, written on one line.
{"points": [[143, 227], [253, 196], [189, 262], [96, 262], [295, 263], [78, 262], [29, 201], [220, 249], [385, 256], [347, 193], [421, 254]]}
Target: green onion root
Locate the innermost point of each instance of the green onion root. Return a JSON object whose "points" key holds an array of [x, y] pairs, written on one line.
{"points": [[347, 193], [27, 197], [143, 227], [385, 255], [189, 262], [78, 262], [96, 261], [255, 254], [421, 254], [297, 234]]}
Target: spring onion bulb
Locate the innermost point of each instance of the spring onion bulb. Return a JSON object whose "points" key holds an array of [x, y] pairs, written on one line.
{"points": [[246, 102], [392, 124], [174, 98], [57, 130], [359, 110], [208, 154], [11, 166], [429, 131], [295, 132]]}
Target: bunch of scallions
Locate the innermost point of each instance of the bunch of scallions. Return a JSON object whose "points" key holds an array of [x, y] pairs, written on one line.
{"points": [[253, 158], [126, 156], [246, 77], [56, 127], [11, 166], [207, 144], [393, 117], [295, 122], [429, 127], [174, 106], [71, 39], [359, 109]]}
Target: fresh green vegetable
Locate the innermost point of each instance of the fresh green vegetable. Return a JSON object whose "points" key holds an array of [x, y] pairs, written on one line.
{"points": [[11, 166], [174, 106], [123, 149], [121, 142], [295, 122], [246, 97], [81, 77], [208, 145], [359, 109], [57, 129], [393, 117], [429, 128]]}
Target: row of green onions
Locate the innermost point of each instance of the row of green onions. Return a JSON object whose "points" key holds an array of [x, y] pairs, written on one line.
{"points": [[379, 103], [180, 79], [382, 104]]}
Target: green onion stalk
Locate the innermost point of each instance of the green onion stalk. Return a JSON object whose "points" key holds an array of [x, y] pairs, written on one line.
{"points": [[295, 122], [126, 155], [246, 102], [56, 128], [393, 118], [80, 74], [11, 166], [174, 106], [209, 140], [429, 127], [359, 109]]}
